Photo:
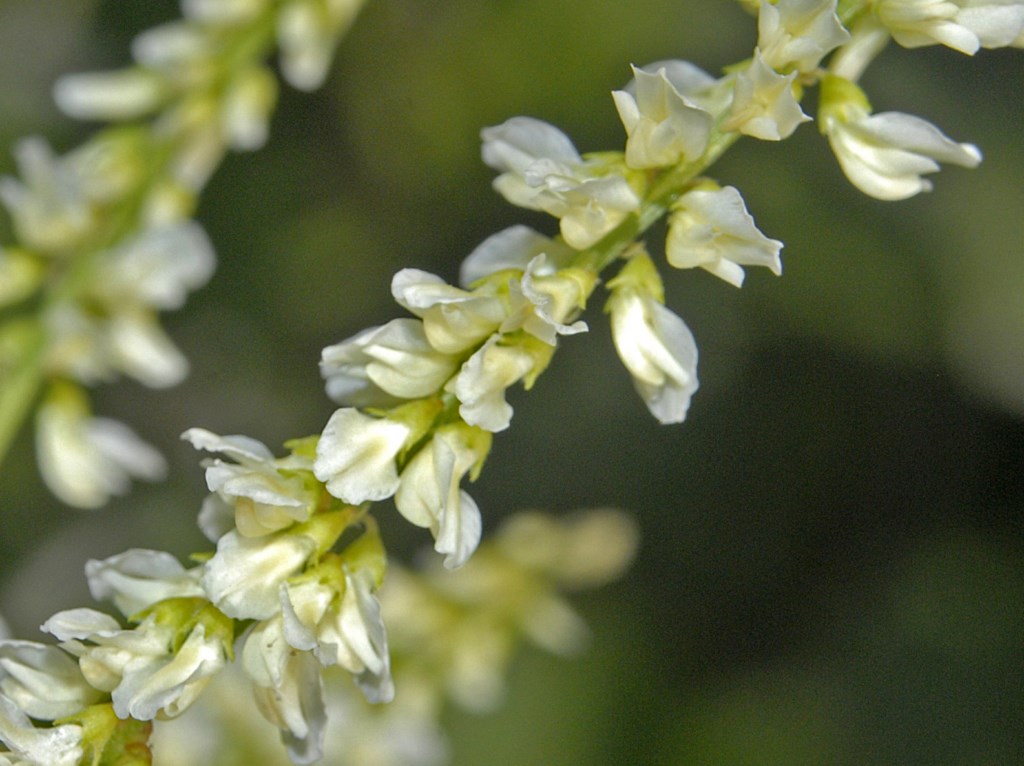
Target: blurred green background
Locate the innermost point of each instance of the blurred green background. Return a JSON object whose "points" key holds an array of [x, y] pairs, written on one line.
{"points": [[832, 569]]}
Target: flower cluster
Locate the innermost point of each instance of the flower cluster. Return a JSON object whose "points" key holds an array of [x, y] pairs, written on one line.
{"points": [[306, 603], [452, 636], [422, 396], [293, 588], [105, 235]]}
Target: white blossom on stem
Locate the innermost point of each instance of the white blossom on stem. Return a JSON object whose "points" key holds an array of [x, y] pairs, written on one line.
{"points": [[288, 689], [798, 33], [764, 105], [261, 494], [355, 456], [655, 345], [480, 384], [662, 126], [125, 94], [544, 302], [885, 155], [85, 460], [430, 495], [711, 228], [136, 579], [160, 266], [146, 669], [340, 623], [307, 33], [385, 364], [32, 746], [43, 680], [541, 170], [50, 206], [963, 25], [453, 319], [243, 577], [512, 249]]}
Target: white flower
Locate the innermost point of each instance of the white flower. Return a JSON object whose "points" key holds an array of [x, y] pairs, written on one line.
{"points": [[453, 319], [141, 668], [712, 229], [160, 266], [695, 85], [343, 629], [885, 155], [386, 363], [50, 206], [541, 170], [125, 94], [307, 33], [521, 143], [56, 746], [84, 460], [663, 127], [963, 25], [288, 689], [798, 33], [764, 106], [243, 577], [43, 681], [430, 495], [249, 100], [356, 454], [654, 344], [175, 48], [262, 494], [547, 301], [137, 579], [512, 249], [135, 343], [481, 383]]}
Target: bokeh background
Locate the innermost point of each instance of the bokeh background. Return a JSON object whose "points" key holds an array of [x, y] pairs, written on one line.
{"points": [[832, 568]]}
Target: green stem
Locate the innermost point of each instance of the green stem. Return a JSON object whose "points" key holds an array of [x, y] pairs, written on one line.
{"points": [[19, 390], [666, 187]]}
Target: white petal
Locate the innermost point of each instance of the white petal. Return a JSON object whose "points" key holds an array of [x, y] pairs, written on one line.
{"points": [[137, 579], [122, 95], [520, 141], [42, 680], [512, 248], [480, 385], [57, 746], [356, 456], [460, 530], [244, 576], [79, 623], [658, 349]]}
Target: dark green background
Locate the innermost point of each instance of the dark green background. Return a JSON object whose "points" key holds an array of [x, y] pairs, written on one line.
{"points": [[832, 569]]}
